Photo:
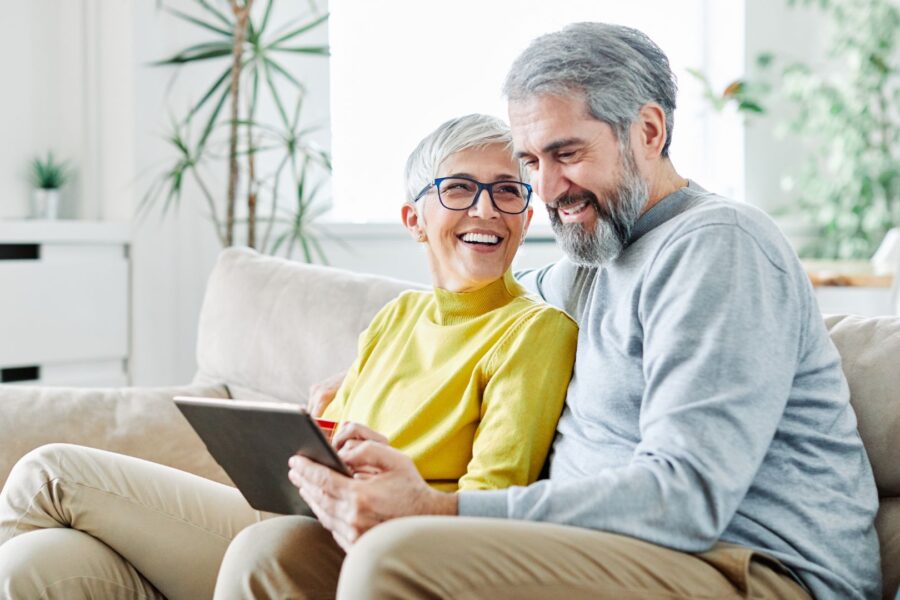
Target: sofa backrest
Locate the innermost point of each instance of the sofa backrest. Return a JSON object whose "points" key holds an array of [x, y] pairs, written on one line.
{"points": [[870, 356], [269, 327]]}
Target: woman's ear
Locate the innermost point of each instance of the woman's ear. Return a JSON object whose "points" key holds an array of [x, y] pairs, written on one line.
{"points": [[416, 226]]}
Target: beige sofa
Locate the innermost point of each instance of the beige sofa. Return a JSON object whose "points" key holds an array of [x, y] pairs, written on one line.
{"points": [[269, 328]]}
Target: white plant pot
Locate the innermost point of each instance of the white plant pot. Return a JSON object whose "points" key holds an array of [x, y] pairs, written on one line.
{"points": [[45, 204]]}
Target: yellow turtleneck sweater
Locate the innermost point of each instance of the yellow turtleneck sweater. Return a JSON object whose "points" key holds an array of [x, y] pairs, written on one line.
{"points": [[469, 385]]}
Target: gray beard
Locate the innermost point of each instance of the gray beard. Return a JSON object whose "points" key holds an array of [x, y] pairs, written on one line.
{"points": [[612, 229]]}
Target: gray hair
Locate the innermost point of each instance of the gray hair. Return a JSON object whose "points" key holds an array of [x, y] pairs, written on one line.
{"points": [[462, 133], [617, 68]]}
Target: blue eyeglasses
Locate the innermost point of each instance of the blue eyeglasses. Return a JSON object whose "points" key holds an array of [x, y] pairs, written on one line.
{"points": [[461, 193]]}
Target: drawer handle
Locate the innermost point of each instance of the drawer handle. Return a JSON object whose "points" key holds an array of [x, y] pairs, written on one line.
{"points": [[12, 374], [20, 251]]}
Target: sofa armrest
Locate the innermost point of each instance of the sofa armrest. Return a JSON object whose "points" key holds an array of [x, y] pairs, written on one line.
{"points": [[141, 422]]}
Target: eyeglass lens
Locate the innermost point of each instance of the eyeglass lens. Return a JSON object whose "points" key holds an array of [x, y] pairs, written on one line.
{"points": [[459, 194]]}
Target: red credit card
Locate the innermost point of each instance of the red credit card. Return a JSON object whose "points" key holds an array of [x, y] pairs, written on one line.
{"points": [[327, 426]]}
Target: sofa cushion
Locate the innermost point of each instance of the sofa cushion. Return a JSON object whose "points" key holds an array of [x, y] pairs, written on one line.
{"points": [[888, 525], [870, 354], [141, 422], [271, 327]]}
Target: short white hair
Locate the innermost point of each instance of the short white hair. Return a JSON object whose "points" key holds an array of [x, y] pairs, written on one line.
{"points": [[455, 135]]}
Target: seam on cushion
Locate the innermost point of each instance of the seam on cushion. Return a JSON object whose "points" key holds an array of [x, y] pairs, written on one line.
{"points": [[118, 585], [122, 497]]}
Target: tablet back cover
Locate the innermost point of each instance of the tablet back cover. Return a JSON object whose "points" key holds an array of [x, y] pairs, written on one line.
{"points": [[253, 447]]}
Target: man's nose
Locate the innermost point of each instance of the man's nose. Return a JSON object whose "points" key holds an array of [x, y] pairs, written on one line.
{"points": [[484, 206], [548, 182]]}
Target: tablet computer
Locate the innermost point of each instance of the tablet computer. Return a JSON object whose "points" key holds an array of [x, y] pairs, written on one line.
{"points": [[252, 441]]}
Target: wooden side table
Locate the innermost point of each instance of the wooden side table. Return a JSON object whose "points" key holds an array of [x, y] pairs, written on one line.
{"points": [[851, 287]]}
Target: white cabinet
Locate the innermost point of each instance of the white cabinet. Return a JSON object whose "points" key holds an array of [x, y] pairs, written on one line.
{"points": [[64, 302]]}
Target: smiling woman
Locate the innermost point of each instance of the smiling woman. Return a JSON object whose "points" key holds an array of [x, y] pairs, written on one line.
{"points": [[472, 229], [443, 374]]}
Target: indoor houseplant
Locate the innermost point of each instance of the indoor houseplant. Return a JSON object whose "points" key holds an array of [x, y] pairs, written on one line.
{"points": [[47, 177], [843, 110], [224, 125]]}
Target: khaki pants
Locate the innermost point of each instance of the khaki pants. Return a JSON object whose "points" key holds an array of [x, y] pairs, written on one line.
{"points": [[466, 559], [83, 523]]}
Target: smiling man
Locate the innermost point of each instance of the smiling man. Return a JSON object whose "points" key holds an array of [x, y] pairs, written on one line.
{"points": [[707, 449]]}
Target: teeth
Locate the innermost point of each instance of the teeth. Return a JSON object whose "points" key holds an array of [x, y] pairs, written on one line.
{"points": [[480, 238], [574, 209]]}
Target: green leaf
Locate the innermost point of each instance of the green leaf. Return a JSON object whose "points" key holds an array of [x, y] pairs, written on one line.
{"points": [[317, 50], [265, 19], [211, 121], [199, 52], [750, 106], [284, 73], [209, 93], [764, 59], [200, 22], [300, 30], [215, 12], [275, 96]]}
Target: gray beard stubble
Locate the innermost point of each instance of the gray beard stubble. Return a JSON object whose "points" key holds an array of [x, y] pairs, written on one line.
{"points": [[616, 217]]}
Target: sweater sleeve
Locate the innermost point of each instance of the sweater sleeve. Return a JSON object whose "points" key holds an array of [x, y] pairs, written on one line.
{"points": [[722, 330], [522, 400]]}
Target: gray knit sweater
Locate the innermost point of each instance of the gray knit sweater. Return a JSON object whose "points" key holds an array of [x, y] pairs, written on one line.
{"points": [[707, 402]]}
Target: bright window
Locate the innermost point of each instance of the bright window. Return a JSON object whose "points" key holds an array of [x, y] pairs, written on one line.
{"points": [[389, 59]]}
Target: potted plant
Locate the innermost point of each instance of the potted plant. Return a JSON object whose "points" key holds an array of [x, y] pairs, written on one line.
{"points": [[224, 125], [47, 177], [844, 113]]}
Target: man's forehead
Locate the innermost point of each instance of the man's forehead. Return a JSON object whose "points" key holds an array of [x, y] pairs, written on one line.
{"points": [[545, 123]]}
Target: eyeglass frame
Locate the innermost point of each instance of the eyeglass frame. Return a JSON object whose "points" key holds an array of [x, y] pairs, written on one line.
{"points": [[481, 187]]}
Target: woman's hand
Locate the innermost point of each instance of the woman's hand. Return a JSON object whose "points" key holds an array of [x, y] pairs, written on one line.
{"points": [[349, 436], [321, 394]]}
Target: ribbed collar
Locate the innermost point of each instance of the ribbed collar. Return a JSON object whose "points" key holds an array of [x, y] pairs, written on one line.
{"points": [[672, 205], [452, 308]]}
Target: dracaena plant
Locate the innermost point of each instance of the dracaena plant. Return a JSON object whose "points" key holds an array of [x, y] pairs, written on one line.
{"points": [[223, 124]]}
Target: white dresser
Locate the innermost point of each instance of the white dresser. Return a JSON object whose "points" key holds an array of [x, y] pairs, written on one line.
{"points": [[64, 303]]}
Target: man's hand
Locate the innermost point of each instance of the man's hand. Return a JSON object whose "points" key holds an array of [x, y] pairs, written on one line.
{"points": [[349, 507], [321, 394]]}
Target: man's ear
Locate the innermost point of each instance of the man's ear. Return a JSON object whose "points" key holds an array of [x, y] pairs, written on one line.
{"points": [[651, 133], [415, 226]]}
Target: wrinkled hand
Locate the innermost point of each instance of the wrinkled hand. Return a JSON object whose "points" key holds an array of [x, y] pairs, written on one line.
{"points": [[349, 507], [321, 394]]}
